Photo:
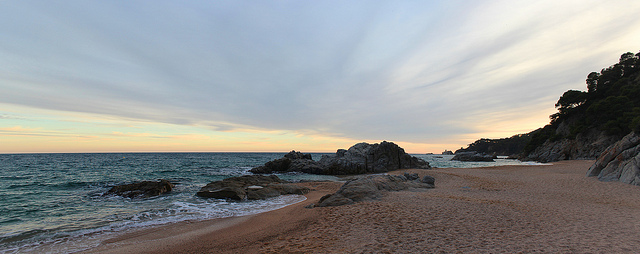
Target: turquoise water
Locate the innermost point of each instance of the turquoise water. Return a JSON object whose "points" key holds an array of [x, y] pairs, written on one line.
{"points": [[55, 199]]}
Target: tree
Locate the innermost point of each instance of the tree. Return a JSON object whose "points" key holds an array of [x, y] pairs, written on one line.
{"points": [[592, 81], [568, 102], [571, 99]]}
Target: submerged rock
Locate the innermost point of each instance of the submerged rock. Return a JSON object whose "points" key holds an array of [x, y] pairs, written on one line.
{"points": [[359, 159], [141, 189], [619, 162], [251, 187], [370, 188]]}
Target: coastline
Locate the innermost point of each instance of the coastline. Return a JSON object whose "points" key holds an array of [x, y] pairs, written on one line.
{"points": [[542, 208], [241, 234]]}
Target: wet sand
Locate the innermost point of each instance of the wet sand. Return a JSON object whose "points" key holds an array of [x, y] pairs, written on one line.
{"points": [[509, 209]]}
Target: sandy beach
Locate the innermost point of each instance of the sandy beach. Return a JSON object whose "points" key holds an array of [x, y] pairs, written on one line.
{"points": [[508, 209]]}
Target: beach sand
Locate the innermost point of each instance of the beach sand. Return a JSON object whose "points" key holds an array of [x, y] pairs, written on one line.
{"points": [[509, 209]]}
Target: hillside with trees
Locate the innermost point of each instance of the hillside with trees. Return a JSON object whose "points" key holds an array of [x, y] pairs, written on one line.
{"points": [[500, 147], [586, 122]]}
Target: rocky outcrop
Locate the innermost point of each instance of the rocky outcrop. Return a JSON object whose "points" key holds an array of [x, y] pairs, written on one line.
{"points": [[359, 159], [142, 189], [365, 158], [447, 152], [291, 162], [619, 162], [373, 187], [251, 187], [585, 146], [472, 156]]}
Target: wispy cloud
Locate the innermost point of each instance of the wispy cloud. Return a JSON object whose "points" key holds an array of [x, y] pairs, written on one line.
{"points": [[10, 116], [38, 132], [406, 71]]}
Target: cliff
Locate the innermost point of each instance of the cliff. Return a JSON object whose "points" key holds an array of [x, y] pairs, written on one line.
{"points": [[586, 145], [619, 162]]}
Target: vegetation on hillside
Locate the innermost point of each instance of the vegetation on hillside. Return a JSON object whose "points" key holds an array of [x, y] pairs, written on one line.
{"points": [[501, 147], [611, 104]]}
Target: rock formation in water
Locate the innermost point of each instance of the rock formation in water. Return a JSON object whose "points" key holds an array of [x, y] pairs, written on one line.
{"points": [[619, 162], [447, 152], [251, 187], [291, 162], [142, 189], [361, 158], [472, 156], [373, 187]]}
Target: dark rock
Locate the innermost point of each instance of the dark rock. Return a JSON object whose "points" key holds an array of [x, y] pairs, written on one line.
{"points": [[359, 159], [369, 188], [585, 146], [306, 166], [293, 161], [367, 158], [429, 180], [619, 162], [334, 200], [141, 189], [447, 152], [236, 193], [278, 165], [293, 155], [250, 187], [410, 176], [261, 193], [289, 189], [472, 156]]}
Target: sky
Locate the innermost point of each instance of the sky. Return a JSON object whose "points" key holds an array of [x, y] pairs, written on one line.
{"points": [[311, 76]]}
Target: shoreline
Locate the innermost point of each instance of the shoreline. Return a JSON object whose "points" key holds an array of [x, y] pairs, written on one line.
{"points": [[232, 234], [541, 208]]}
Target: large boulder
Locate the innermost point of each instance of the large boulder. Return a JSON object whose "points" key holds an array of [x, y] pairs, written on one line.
{"points": [[370, 158], [619, 162], [370, 188], [359, 159], [142, 189], [472, 156], [251, 187], [293, 161]]}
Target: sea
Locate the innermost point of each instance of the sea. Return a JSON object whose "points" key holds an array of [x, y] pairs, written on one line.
{"points": [[54, 203]]}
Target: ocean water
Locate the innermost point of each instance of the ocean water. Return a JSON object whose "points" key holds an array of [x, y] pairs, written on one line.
{"points": [[444, 161], [54, 202]]}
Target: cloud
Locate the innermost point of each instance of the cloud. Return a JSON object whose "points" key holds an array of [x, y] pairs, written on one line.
{"points": [[19, 131], [10, 117], [403, 71]]}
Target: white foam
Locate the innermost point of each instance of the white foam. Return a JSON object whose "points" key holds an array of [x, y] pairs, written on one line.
{"points": [[202, 209]]}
